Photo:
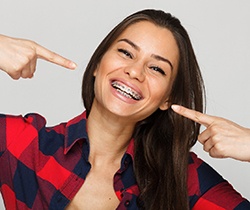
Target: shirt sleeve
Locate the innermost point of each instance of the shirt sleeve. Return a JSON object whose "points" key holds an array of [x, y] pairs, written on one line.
{"points": [[210, 190]]}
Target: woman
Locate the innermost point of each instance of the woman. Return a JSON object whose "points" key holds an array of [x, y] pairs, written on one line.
{"points": [[128, 150]]}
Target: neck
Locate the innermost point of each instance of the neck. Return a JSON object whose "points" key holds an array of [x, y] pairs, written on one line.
{"points": [[109, 137]]}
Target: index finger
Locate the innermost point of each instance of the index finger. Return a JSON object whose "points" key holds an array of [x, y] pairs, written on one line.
{"points": [[55, 58], [196, 116]]}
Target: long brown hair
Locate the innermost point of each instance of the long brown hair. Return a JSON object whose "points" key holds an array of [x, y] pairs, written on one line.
{"points": [[162, 140]]}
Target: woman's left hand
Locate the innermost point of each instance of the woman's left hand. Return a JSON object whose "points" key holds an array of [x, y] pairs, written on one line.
{"points": [[222, 138]]}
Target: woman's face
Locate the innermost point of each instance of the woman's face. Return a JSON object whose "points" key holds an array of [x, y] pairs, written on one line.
{"points": [[135, 76]]}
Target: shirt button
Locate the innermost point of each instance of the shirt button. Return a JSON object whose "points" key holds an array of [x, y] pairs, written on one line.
{"points": [[127, 202]]}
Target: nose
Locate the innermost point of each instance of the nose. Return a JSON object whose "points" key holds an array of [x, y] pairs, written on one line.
{"points": [[136, 71]]}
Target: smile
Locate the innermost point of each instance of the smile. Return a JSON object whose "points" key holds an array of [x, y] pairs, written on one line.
{"points": [[126, 91]]}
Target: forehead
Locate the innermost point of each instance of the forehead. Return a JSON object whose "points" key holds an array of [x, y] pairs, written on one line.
{"points": [[147, 28]]}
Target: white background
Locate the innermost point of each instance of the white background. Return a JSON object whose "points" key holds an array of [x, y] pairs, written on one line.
{"points": [[219, 31]]}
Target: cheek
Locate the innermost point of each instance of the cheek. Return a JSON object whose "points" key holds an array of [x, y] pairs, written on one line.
{"points": [[160, 89]]}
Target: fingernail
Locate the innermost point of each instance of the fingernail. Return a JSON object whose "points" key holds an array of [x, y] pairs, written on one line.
{"points": [[175, 107], [73, 65]]}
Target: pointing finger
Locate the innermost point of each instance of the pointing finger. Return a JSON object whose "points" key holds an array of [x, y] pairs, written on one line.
{"points": [[196, 116], [52, 57]]}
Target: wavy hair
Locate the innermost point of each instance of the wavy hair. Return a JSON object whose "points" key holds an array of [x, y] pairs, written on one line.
{"points": [[164, 139]]}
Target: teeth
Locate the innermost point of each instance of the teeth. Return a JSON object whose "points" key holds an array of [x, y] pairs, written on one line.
{"points": [[126, 91], [125, 94]]}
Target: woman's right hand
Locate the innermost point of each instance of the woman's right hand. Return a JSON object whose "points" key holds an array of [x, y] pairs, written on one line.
{"points": [[18, 57]]}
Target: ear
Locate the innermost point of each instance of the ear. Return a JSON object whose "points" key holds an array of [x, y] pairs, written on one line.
{"points": [[164, 106], [94, 74], [96, 69]]}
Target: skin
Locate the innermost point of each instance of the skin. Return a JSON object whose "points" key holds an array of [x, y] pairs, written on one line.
{"points": [[221, 138], [113, 116], [136, 59], [116, 118], [133, 57], [18, 57]]}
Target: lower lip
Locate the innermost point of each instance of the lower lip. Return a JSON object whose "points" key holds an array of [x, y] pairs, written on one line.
{"points": [[122, 97]]}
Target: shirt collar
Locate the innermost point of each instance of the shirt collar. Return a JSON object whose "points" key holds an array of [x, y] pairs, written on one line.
{"points": [[76, 130], [130, 149]]}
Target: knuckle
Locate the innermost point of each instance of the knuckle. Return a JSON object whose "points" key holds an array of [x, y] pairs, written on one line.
{"points": [[220, 149], [214, 129], [30, 43], [215, 139], [15, 75], [26, 74], [22, 62], [16, 69], [205, 148]]}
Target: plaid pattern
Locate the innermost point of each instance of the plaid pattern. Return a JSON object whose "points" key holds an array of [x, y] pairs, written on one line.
{"points": [[44, 167]]}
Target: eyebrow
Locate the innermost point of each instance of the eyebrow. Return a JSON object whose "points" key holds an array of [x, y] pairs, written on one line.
{"points": [[160, 58], [157, 57], [130, 43]]}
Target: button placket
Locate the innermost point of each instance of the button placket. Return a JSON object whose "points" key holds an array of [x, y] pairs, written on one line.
{"points": [[127, 203]]}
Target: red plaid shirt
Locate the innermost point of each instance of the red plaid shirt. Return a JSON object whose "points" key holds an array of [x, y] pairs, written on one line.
{"points": [[44, 167]]}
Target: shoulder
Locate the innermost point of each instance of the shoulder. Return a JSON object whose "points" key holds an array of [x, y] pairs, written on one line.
{"points": [[201, 176], [17, 129], [12, 127], [207, 188], [34, 119]]}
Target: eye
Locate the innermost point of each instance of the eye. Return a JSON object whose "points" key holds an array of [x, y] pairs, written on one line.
{"points": [[125, 52], [158, 69]]}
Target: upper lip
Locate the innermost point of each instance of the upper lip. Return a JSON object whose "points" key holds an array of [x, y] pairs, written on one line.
{"points": [[129, 85]]}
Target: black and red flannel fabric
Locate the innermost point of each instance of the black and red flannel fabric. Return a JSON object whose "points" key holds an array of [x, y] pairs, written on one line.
{"points": [[44, 167]]}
